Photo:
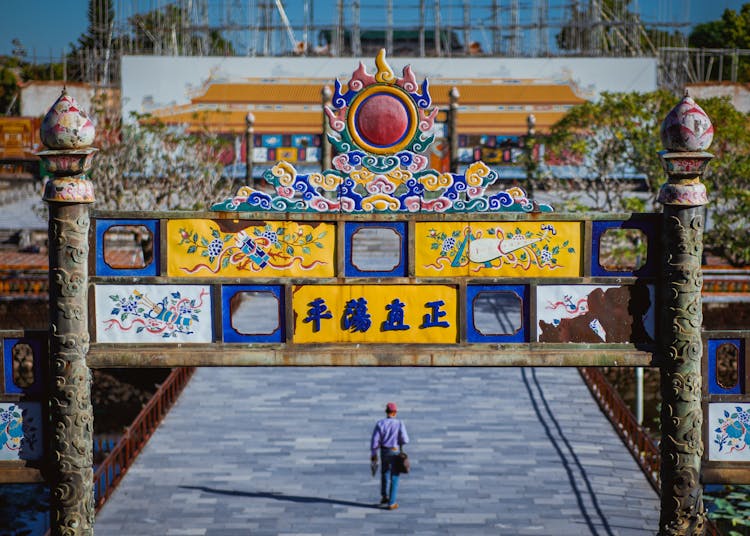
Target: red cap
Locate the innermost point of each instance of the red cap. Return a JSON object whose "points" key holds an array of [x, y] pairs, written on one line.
{"points": [[390, 407]]}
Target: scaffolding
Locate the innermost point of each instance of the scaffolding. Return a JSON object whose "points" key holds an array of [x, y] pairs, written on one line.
{"points": [[495, 27], [680, 66], [499, 28]]}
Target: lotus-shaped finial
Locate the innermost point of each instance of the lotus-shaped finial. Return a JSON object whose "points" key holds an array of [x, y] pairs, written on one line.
{"points": [[687, 128], [67, 125]]}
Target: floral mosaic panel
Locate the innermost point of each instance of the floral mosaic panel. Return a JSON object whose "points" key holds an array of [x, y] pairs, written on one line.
{"points": [[498, 249], [226, 248], [21, 431], [729, 432], [153, 313]]}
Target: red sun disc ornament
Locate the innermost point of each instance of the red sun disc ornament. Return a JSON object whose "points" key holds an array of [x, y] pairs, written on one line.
{"points": [[382, 120]]}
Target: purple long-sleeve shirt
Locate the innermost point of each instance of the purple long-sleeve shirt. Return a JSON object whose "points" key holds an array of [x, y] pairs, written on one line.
{"points": [[388, 433]]}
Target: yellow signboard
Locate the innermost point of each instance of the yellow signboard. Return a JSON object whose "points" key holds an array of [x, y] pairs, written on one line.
{"points": [[234, 248], [498, 249], [375, 314]]}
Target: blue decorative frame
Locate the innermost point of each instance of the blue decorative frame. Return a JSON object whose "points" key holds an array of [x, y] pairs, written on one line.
{"points": [[36, 347], [102, 268], [351, 228], [229, 334], [473, 335], [645, 224], [713, 385]]}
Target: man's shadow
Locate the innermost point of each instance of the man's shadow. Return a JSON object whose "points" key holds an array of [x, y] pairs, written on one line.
{"points": [[280, 497]]}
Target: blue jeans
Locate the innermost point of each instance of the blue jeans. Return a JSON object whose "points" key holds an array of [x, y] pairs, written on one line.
{"points": [[389, 473]]}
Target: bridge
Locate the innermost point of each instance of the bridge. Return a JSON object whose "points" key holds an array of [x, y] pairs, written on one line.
{"points": [[285, 451]]}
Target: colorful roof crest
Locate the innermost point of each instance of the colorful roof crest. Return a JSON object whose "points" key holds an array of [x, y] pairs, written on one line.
{"points": [[380, 126], [381, 114]]}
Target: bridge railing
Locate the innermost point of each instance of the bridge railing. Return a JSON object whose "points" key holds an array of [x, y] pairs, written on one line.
{"points": [[115, 465], [644, 449]]}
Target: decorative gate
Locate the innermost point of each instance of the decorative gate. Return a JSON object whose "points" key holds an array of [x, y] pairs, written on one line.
{"points": [[379, 261]]}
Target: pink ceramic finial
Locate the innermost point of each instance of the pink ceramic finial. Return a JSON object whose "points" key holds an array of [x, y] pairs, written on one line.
{"points": [[687, 128], [66, 125]]}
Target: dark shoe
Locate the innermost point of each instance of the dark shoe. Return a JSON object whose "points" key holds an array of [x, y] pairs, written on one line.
{"points": [[393, 506], [384, 501]]}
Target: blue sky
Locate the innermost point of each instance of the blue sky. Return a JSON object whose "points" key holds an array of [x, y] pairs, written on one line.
{"points": [[46, 27]]}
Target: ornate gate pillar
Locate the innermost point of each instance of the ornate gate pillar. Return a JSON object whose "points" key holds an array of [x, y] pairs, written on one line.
{"points": [[68, 133], [686, 133]]}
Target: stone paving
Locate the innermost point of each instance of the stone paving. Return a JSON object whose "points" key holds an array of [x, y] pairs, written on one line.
{"points": [[284, 451]]}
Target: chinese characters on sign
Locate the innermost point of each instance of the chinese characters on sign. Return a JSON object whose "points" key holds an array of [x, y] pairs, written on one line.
{"points": [[369, 313]]}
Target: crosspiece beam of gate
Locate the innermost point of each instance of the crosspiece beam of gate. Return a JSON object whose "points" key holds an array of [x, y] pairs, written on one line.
{"points": [[386, 290], [371, 356]]}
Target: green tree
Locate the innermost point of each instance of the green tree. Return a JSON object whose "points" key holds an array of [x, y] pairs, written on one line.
{"points": [[601, 142], [732, 30], [147, 165], [101, 25], [15, 70], [728, 180], [95, 57], [616, 137], [9, 92]]}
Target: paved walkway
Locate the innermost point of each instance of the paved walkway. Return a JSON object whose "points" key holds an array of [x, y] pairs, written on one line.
{"points": [[285, 451]]}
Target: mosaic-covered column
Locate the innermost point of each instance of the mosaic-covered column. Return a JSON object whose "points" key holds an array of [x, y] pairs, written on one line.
{"points": [[686, 133], [326, 150], [67, 132], [249, 148], [453, 96]]}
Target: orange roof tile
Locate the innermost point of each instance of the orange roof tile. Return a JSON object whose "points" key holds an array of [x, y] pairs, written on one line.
{"points": [[16, 260], [475, 121], [294, 106], [498, 122], [532, 94], [233, 121], [261, 93], [309, 93]]}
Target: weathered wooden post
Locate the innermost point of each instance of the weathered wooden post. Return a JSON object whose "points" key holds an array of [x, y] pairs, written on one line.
{"points": [[68, 134], [686, 133], [454, 95], [249, 148]]}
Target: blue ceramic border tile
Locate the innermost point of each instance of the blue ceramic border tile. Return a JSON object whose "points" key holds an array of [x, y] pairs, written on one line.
{"points": [[713, 385], [303, 140], [102, 268], [352, 271], [229, 334], [645, 224], [36, 347], [271, 140], [473, 335]]}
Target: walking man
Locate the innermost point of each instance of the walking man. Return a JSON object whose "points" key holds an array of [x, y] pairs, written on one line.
{"points": [[389, 437]]}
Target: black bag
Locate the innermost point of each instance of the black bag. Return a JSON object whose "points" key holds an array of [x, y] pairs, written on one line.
{"points": [[403, 463]]}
